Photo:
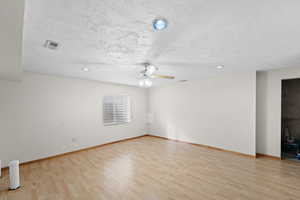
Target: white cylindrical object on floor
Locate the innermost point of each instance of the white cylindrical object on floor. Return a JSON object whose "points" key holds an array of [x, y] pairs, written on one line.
{"points": [[14, 176]]}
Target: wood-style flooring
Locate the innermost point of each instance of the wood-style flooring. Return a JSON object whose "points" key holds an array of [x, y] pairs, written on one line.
{"points": [[150, 168]]}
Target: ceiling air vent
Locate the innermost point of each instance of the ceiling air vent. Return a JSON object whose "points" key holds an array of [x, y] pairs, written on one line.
{"points": [[51, 45]]}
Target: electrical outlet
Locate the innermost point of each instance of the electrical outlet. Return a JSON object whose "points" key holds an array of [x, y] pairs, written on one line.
{"points": [[74, 140]]}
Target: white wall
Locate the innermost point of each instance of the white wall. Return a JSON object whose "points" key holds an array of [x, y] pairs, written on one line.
{"points": [[218, 112], [11, 20], [41, 115], [269, 109]]}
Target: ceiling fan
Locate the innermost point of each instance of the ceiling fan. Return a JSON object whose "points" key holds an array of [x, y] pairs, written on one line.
{"points": [[150, 72]]}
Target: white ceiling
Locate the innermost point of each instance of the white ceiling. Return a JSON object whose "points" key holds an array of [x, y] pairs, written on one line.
{"points": [[111, 36]]}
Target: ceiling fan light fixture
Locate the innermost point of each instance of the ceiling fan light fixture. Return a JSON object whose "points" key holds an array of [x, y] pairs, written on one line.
{"points": [[150, 69], [160, 24], [146, 83]]}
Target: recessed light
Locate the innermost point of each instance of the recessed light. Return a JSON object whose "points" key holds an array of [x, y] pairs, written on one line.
{"points": [[85, 69], [220, 67], [160, 24]]}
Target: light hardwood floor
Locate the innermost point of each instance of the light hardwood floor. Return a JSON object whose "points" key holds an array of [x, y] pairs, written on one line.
{"points": [[150, 168]]}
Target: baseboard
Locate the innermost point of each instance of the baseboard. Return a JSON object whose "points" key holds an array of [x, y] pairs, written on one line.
{"points": [[205, 146], [149, 135], [76, 151], [260, 155]]}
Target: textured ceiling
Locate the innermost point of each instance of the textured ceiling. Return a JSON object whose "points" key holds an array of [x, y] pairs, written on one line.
{"points": [[111, 36]]}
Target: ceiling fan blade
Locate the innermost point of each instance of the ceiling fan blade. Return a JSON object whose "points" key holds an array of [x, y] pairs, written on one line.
{"points": [[162, 76]]}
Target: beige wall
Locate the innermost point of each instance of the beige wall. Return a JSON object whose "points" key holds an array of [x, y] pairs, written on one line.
{"points": [[46, 115], [268, 113], [218, 112], [11, 20]]}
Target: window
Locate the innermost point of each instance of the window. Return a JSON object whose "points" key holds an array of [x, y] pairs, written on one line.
{"points": [[116, 110]]}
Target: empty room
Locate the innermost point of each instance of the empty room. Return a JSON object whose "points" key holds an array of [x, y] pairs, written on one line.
{"points": [[149, 100]]}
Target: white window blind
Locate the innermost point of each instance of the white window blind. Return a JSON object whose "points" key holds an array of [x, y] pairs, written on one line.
{"points": [[116, 110]]}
